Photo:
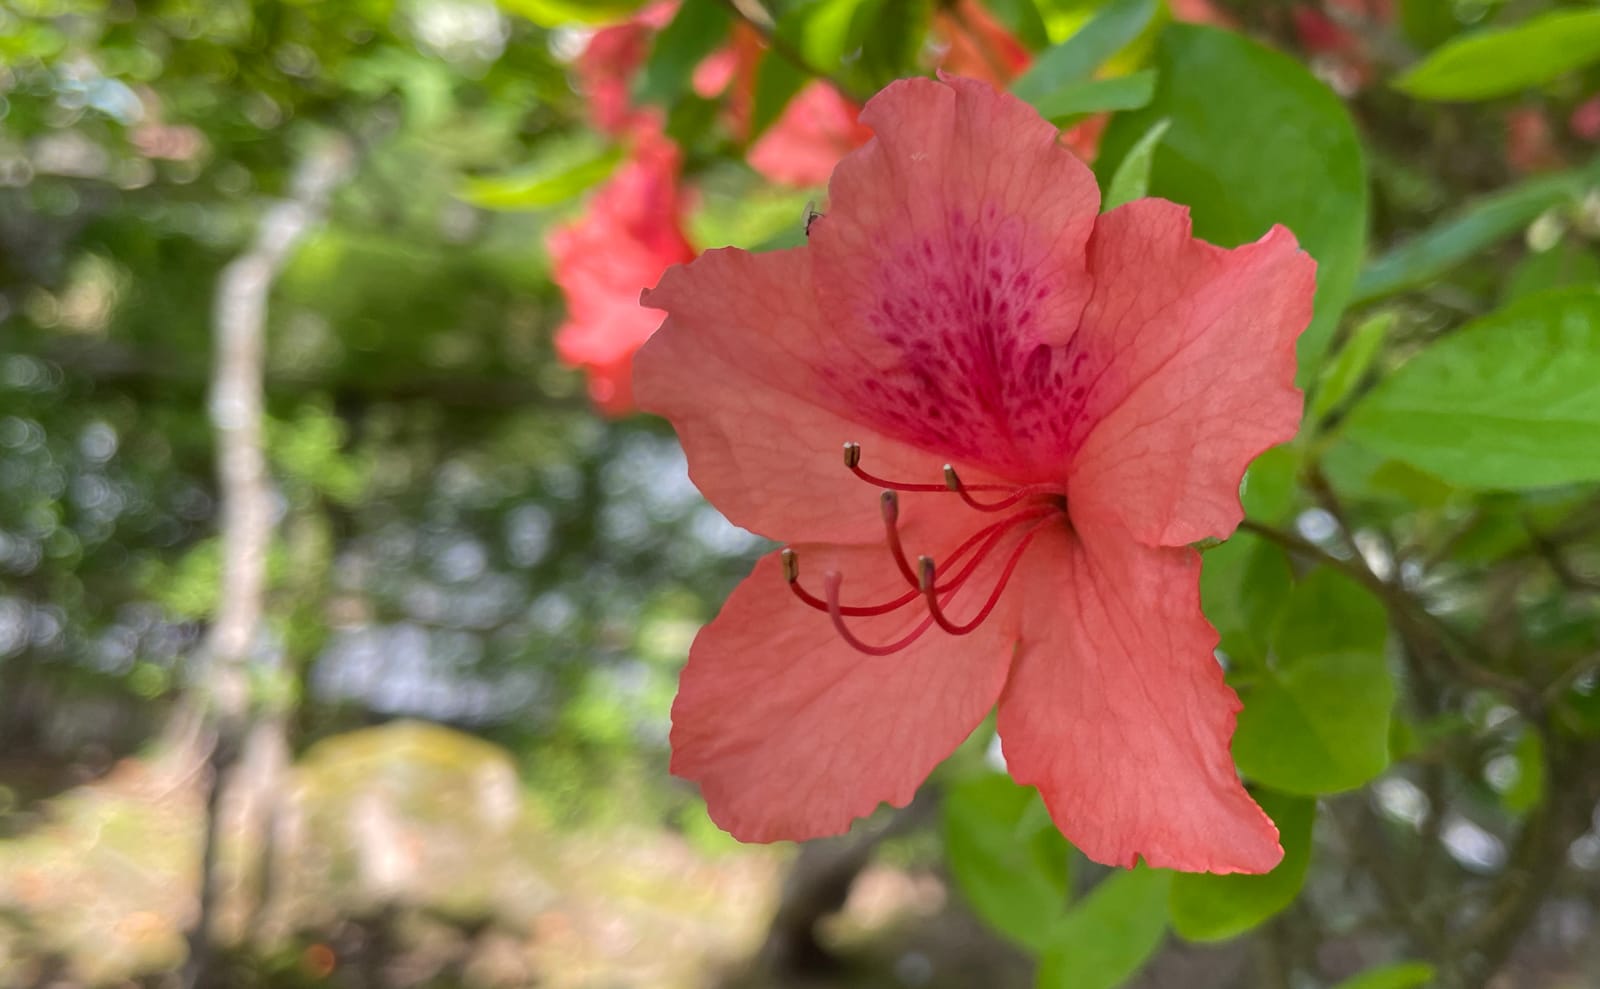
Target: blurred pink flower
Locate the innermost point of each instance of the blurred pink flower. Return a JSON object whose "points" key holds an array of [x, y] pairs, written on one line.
{"points": [[1531, 142], [1585, 120]]}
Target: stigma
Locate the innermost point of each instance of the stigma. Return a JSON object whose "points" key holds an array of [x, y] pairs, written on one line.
{"points": [[1023, 512]]}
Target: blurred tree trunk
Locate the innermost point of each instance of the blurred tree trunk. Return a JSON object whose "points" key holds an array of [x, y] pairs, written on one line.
{"points": [[819, 883], [244, 752]]}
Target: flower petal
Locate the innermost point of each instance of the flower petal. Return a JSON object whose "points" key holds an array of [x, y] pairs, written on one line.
{"points": [[1117, 711], [630, 233], [739, 368], [1192, 350], [793, 734], [952, 256]]}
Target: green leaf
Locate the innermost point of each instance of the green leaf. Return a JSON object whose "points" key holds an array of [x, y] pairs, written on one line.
{"points": [[1568, 263], [1010, 862], [1132, 178], [1244, 589], [1021, 18], [1214, 908], [1527, 791], [892, 39], [562, 172], [1128, 92], [1403, 975], [1110, 935], [558, 13], [1510, 401], [777, 82], [1331, 613], [1496, 62], [1075, 59], [1318, 725], [1255, 140], [1427, 23], [822, 31], [1350, 365], [1482, 223], [1317, 720], [1269, 485], [699, 28]]}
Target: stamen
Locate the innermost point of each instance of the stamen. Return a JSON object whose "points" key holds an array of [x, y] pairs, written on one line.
{"points": [[889, 503], [830, 582], [953, 482], [852, 460], [928, 581], [984, 540]]}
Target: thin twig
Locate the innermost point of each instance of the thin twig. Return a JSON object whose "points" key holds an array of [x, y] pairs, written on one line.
{"points": [[1464, 657]]}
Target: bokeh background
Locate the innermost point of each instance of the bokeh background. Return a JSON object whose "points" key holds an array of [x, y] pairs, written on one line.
{"points": [[342, 592]]}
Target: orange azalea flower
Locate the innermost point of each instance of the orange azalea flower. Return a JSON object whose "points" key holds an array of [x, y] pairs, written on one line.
{"points": [[1090, 389]]}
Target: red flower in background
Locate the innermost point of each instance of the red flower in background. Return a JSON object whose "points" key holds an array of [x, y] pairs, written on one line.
{"points": [[634, 228], [1339, 54], [610, 60], [815, 130], [1531, 142], [1100, 383], [631, 232], [977, 45]]}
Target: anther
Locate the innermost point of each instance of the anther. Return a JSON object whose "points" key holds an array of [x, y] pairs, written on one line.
{"points": [[852, 455], [791, 566], [889, 503], [926, 574], [953, 481]]}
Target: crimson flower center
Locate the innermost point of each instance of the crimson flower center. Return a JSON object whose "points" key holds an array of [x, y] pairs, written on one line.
{"points": [[1026, 509]]}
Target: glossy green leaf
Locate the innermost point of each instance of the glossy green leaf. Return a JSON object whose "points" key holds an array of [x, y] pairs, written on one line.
{"points": [[1511, 401], [699, 28], [1008, 859], [1110, 935], [1349, 365], [1098, 95], [1076, 58], [1500, 61], [1207, 907], [1244, 590], [562, 173], [1482, 223], [1132, 178], [1255, 140], [1317, 719], [1404, 975], [558, 13]]}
